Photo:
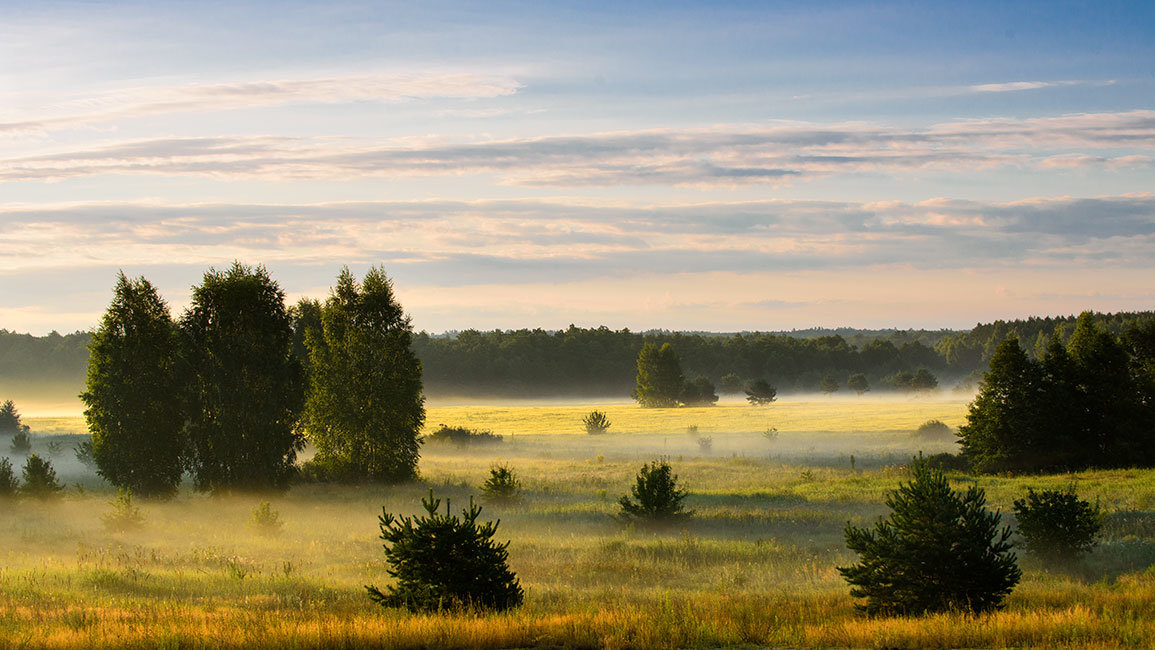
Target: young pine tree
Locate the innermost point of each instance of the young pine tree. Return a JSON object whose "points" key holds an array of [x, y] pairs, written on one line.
{"points": [[656, 496], [939, 550]]}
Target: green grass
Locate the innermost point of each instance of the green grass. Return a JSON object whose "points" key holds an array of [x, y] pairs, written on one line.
{"points": [[754, 566]]}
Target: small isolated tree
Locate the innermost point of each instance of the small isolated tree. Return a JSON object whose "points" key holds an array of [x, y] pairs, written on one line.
{"points": [[442, 561], [10, 418], [699, 392], [660, 380], [934, 430], [939, 550], [656, 496], [759, 392], [596, 422], [829, 385], [502, 486], [132, 393], [39, 479], [923, 381], [365, 406], [8, 482], [246, 391], [1057, 524], [858, 383], [21, 444], [125, 516], [265, 520]]}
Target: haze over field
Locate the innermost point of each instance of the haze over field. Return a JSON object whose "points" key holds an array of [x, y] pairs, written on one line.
{"points": [[718, 167]]}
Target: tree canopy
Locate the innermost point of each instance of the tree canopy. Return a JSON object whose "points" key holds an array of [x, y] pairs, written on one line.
{"points": [[659, 380]]}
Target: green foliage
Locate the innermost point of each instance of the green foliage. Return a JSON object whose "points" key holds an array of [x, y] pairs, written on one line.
{"points": [[939, 551], [934, 430], [8, 482], [920, 381], [759, 392], [858, 383], [656, 496], [462, 436], [705, 444], [125, 516], [829, 384], [945, 462], [445, 562], [1083, 405], [39, 479], [21, 444], [1057, 524], [132, 393], [699, 392], [10, 418], [730, 383], [265, 520], [246, 389], [502, 486], [659, 380], [596, 422], [360, 355]]}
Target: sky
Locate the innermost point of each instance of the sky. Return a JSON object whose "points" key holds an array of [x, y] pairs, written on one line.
{"points": [[716, 166]]}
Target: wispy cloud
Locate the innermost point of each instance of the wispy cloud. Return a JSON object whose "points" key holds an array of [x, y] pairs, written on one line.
{"points": [[208, 98], [1015, 86], [718, 156]]}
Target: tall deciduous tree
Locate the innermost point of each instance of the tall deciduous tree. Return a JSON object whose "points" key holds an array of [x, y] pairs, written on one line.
{"points": [[246, 389], [133, 393], [365, 405], [660, 379]]}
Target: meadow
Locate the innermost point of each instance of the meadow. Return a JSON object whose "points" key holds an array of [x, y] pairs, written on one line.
{"points": [[755, 566]]}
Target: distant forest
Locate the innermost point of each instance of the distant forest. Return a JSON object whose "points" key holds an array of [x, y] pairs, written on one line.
{"points": [[599, 361]]}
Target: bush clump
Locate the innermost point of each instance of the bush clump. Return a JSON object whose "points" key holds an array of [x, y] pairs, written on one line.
{"points": [[656, 496], [940, 550], [502, 486], [39, 479], [125, 516], [445, 562], [265, 520], [21, 444], [1057, 524], [8, 482], [946, 462], [596, 422], [934, 430], [462, 436]]}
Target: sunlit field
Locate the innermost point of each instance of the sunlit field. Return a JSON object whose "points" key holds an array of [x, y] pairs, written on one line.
{"points": [[755, 565]]}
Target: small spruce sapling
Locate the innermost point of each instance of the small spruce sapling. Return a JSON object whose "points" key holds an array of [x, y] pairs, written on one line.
{"points": [[445, 562], [125, 516], [265, 520], [39, 479], [1057, 524], [656, 496], [596, 422], [21, 444], [502, 486]]}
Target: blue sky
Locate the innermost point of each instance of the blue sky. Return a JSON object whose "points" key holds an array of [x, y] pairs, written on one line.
{"points": [[717, 166]]}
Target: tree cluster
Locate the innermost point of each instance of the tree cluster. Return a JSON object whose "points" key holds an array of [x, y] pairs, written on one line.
{"points": [[1090, 403], [222, 392], [661, 384]]}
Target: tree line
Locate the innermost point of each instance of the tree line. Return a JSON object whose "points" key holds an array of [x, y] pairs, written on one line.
{"points": [[225, 393]]}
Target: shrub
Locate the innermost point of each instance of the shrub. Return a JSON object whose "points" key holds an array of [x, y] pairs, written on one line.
{"points": [[39, 478], [8, 483], [759, 392], [596, 422], [502, 485], [699, 392], [934, 430], [940, 550], [84, 454], [656, 495], [705, 444], [125, 516], [21, 443], [462, 436], [948, 462], [1057, 524], [265, 520], [442, 561]]}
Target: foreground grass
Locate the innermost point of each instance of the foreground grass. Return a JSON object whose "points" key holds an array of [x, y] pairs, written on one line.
{"points": [[756, 565]]}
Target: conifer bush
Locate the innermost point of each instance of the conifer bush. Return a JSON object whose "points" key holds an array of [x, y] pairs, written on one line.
{"points": [[39, 478], [1057, 524], [445, 562], [8, 482], [265, 520], [21, 443], [125, 516], [940, 550], [656, 495], [596, 422], [502, 486]]}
